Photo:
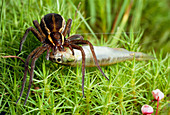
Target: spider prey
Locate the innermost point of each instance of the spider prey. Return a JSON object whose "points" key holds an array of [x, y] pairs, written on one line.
{"points": [[52, 33]]}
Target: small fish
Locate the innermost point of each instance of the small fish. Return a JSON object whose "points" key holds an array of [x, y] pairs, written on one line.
{"points": [[105, 56]]}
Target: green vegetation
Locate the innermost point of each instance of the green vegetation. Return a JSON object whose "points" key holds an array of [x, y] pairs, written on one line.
{"points": [[141, 25]]}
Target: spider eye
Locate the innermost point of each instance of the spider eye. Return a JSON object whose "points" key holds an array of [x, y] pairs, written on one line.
{"points": [[58, 60]]}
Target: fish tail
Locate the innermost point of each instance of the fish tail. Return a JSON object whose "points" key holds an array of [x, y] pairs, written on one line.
{"points": [[142, 56]]}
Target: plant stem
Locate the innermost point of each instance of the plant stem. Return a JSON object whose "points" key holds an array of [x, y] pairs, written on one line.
{"points": [[157, 106]]}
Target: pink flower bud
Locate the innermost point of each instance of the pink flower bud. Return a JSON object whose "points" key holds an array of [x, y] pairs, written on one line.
{"points": [[157, 93], [147, 110]]}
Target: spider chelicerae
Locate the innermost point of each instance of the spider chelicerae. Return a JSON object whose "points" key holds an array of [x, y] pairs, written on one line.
{"points": [[52, 33]]}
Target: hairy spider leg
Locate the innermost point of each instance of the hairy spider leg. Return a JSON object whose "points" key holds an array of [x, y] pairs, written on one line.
{"points": [[75, 37], [67, 28], [26, 69], [83, 64], [70, 47], [35, 57], [93, 53], [35, 32], [37, 25]]}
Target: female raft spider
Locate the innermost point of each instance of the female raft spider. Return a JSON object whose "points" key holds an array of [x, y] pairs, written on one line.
{"points": [[52, 33]]}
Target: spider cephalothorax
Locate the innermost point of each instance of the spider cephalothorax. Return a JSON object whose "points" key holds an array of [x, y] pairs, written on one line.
{"points": [[52, 33]]}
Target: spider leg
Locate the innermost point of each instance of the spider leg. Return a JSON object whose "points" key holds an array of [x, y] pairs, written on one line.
{"points": [[93, 53], [75, 37], [26, 69], [83, 63], [67, 44], [35, 32], [37, 25], [70, 47], [32, 69], [67, 28]]}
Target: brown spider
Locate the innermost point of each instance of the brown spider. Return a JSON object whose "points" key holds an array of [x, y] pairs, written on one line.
{"points": [[51, 33]]}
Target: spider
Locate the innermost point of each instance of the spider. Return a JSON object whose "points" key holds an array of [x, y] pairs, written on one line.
{"points": [[52, 33]]}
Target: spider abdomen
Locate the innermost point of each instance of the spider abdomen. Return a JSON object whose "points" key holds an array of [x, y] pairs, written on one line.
{"points": [[52, 23]]}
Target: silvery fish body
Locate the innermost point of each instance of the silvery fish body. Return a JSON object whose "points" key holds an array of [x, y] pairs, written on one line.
{"points": [[105, 56]]}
